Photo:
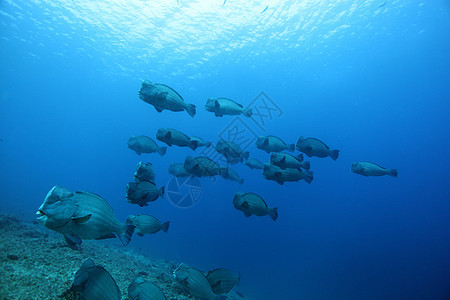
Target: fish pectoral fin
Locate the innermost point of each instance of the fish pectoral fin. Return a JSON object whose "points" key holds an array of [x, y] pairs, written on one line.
{"points": [[216, 105], [185, 282], [72, 240], [196, 167], [283, 160], [245, 205], [149, 197], [106, 236], [163, 95], [81, 220], [140, 234], [169, 135], [266, 142]]}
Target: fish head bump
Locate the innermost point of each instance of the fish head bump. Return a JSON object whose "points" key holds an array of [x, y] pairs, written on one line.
{"points": [[135, 288], [260, 141], [180, 273], [173, 168], [131, 219], [57, 208], [356, 168], [189, 162], [132, 141], [209, 106], [275, 157], [268, 169], [161, 134]]}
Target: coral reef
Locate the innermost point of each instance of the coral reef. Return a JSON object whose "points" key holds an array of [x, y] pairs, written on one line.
{"points": [[36, 263]]}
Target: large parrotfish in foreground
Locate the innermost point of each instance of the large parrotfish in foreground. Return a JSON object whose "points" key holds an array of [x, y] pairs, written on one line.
{"points": [[81, 215]]}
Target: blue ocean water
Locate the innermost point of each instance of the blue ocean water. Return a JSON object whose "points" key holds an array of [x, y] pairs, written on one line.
{"points": [[370, 78]]}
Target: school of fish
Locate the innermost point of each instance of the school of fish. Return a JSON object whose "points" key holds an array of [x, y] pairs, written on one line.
{"points": [[82, 215]]}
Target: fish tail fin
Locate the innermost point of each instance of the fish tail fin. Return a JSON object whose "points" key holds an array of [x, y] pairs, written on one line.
{"points": [[247, 112], [273, 213], [308, 176], [291, 147], [125, 238], [190, 108], [161, 192], [193, 145], [223, 172], [245, 155], [334, 154], [165, 226], [161, 150], [306, 165], [392, 172]]}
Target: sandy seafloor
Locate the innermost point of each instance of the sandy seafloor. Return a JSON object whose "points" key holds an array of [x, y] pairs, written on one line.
{"points": [[36, 263]]}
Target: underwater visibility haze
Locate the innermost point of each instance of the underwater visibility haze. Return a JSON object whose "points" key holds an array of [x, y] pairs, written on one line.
{"points": [[82, 81]]}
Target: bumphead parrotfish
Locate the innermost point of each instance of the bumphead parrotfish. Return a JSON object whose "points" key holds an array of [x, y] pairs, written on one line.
{"points": [[81, 215]]}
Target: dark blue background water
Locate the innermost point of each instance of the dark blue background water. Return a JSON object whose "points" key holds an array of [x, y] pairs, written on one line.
{"points": [[378, 92]]}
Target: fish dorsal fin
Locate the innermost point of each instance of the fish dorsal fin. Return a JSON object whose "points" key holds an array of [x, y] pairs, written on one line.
{"points": [[320, 142], [228, 99], [372, 163], [81, 220], [169, 135], [89, 194], [170, 89]]}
